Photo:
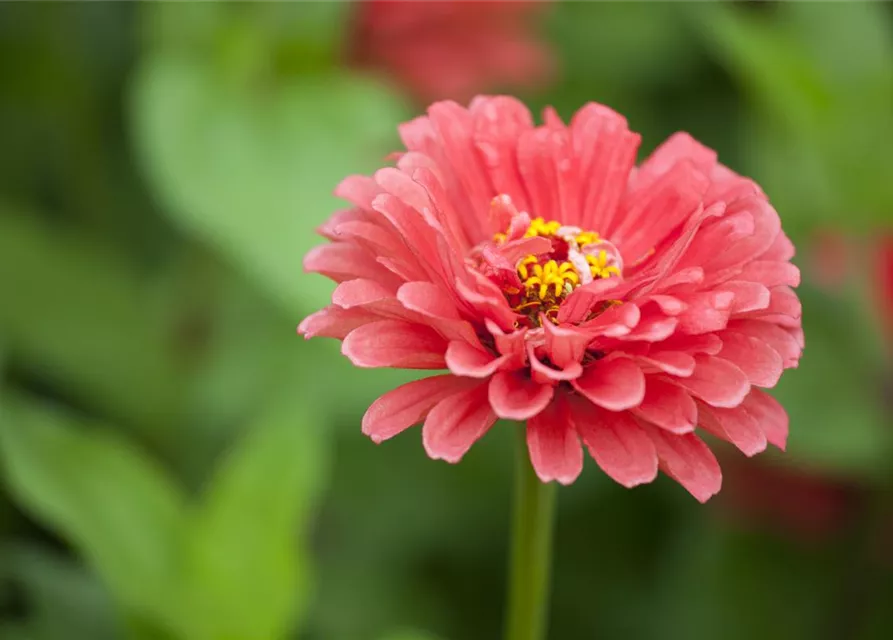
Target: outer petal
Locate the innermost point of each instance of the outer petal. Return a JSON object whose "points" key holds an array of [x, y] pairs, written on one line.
{"points": [[761, 363], [716, 381], [606, 150], [667, 406], [688, 461], [392, 343], [617, 443], [334, 322], [769, 415], [408, 404], [456, 423], [554, 446], [514, 396], [616, 384], [733, 425]]}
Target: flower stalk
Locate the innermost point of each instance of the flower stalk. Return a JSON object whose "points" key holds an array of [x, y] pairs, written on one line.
{"points": [[531, 551]]}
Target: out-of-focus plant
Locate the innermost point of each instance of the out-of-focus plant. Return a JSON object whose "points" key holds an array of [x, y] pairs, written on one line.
{"points": [[229, 564], [242, 147], [821, 80]]}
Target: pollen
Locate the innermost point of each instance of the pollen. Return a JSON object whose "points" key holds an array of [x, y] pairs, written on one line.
{"points": [[546, 280]]}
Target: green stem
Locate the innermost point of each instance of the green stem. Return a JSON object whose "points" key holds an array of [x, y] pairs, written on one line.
{"points": [[531, 559]]}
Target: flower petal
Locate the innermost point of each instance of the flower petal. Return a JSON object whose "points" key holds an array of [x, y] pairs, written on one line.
{"points": [[688, 461], [616, 384], [716, 381], [465, 360], [760, 363], [409, 404], [733, 425], [554, 446], [667, 406], [456, 423], [514, 396], [334, 322], [769, 415], [392, 343], [606, 151], [617, 443]]}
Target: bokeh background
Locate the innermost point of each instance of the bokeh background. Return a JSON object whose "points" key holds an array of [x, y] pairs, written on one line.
{"points": [[176, 464]]}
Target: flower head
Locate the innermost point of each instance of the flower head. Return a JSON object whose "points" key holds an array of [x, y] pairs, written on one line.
{"points": [[451, 49], [607, 305]]}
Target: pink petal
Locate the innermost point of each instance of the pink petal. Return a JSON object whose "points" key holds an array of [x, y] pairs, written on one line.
{"points": [[769, 415], [771, 273], [716, 381], [358, 190], [455, 127], [651, 212], [779, 339], [760, 363], [688, 461], [428, 299], [540, 154], [392, 343], [616, 384], [706, 312], [514, 396], [499, 122], [667, 406], [342, 261], [334, 322], [465, 360], [733, 425], [554, 446], [606, 151], [545, 373], [617, 443], [359, 292], [456, 423], [676, 363], [565, 345], [399, 409], [749, 296], [679, 146]]}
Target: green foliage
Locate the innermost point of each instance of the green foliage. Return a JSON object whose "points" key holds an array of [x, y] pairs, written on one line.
{"points": [[248, 164], [251, 576], [175, 567], [67, 302], [825, 109], [68, 602]]}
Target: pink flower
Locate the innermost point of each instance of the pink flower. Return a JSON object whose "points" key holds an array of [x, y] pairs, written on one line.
{"points": [[561, 285], [450, 49]]}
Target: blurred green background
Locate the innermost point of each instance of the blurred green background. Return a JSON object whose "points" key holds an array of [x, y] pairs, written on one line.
{"points": [[175, 464]]}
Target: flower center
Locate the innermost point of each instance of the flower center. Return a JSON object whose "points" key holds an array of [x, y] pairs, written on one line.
{"points": [[544, 280]]}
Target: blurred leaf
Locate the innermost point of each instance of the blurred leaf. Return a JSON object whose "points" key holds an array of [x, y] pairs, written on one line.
{"points": [[248, 546], [713, 582], [833, 399], [851, 43], [301, 36], [120, 512], [251, 169], [409, 635], [64, 601], [76, 314], [831, 115]]}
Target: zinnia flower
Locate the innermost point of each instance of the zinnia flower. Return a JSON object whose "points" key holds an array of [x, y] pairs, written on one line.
{"points": [[559, 284], [450, 49]]}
